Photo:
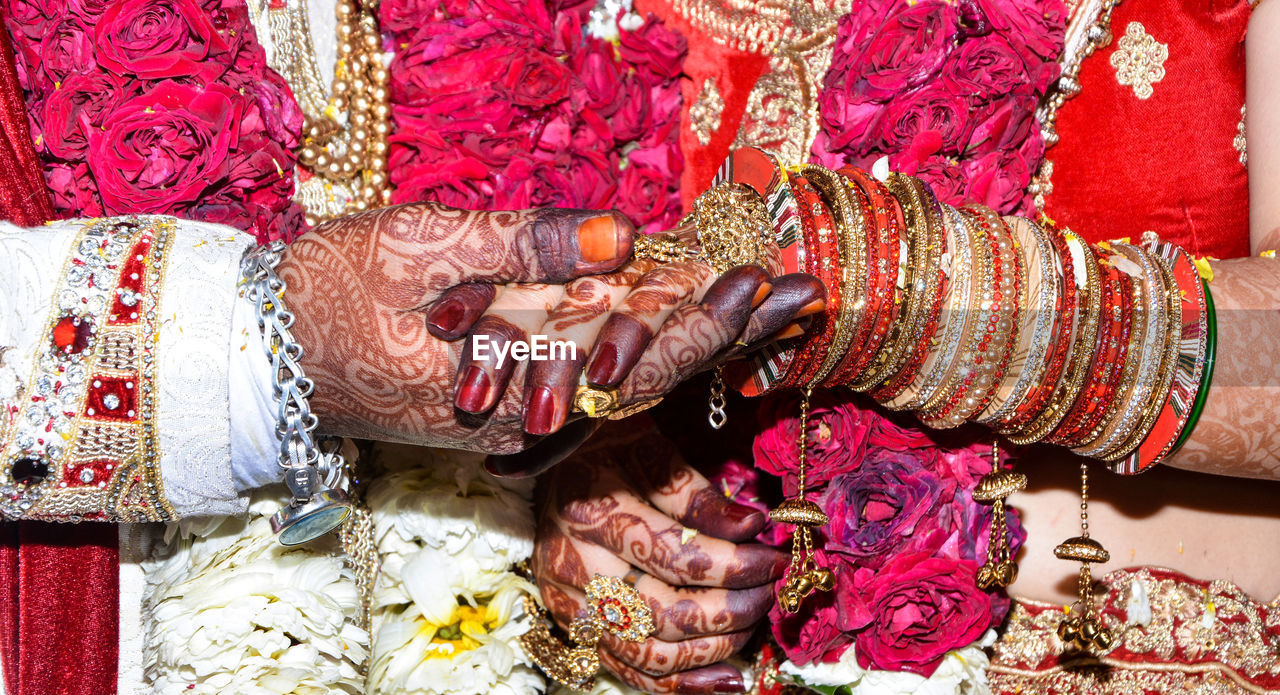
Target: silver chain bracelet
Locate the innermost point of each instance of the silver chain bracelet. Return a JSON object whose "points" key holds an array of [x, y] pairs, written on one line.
{"points": [[313, 469]]}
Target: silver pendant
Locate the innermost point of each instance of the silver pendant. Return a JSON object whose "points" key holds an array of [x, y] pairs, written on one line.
{"points": [[298, 523]]}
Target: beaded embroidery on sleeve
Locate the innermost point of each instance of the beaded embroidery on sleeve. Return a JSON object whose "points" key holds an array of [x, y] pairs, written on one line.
{"points": [[79, 442]]}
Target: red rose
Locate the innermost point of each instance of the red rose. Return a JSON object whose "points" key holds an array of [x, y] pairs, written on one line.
{"points": [[836, 434], [65, 50], [601, 77], [160, 39], [656, 52], [849, 119], [74, 194], [645, 194], [916, 609], [932, 107], [164, 148], [78, 108], [907, 50], [1039, 26], [634, 115], [537, 80], [999, 181]]}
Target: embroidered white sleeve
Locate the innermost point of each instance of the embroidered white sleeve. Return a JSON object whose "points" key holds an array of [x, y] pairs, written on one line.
{"points": [[30, 261], [194, 403], [254, 447]]}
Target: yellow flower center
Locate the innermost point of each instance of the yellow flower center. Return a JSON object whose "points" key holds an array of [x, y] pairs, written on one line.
{"points": [[466, 630]]}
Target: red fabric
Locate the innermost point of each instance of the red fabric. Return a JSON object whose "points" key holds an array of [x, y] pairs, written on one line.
{"points": [[1126, 165], [735, 74], [59, 584], [24, 198], [60, 608]]}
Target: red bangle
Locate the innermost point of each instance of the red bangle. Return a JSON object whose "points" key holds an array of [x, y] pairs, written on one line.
{"points": [[933, 281], [819, 244], [883, 295], [1112, 347]]}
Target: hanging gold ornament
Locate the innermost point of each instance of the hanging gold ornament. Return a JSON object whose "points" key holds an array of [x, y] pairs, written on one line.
{"points": [[1084, 630], [1000, 570], [803, 576]]}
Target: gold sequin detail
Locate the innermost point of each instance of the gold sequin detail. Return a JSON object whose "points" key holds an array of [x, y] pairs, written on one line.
{"points": [[1139, 60], [1240, 143], [704, 114], [1176, 636]]}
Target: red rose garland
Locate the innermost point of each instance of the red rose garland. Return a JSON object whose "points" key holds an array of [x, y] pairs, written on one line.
{"points": [[947, 90], [164, 106], [511, 105]]}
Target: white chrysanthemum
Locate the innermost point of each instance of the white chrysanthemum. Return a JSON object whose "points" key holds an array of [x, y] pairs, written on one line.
{"points": [[608, 16], [235, 611], [962, 671], [444, 499], [447, 607]]}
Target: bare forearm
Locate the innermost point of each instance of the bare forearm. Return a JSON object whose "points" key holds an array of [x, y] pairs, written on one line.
{"points": [[1237, 433]]}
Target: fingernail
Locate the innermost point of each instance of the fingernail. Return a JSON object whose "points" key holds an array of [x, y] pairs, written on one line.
{"points": [[540, 412], [606, 360], [811, 308], [780, 566], [792, 330], [598, 239], [729, 684], [446, 315], [761, 293], [473, 390], [739, 513]]}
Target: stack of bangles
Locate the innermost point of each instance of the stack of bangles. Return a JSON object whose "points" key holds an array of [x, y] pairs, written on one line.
{"points": [[959, 314]]}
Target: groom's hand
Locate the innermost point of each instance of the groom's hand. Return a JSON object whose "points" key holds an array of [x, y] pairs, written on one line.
{"points": [[359, 286]]}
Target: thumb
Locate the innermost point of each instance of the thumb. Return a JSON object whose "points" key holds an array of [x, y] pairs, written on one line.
{"points": [[548, 245]]}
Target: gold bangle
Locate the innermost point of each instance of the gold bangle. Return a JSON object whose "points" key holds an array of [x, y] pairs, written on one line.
{"points": [[1085, 335], [852, 242]]}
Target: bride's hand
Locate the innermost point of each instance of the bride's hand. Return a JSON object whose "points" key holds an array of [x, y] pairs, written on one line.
{"points": [[643, 329], [360, 285], [632, 507]]}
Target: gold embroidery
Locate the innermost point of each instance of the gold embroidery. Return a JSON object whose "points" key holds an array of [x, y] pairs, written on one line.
{"points": [[1240, 143], [782, 109], [1139, 60], [1181, 636], [704, 114]]}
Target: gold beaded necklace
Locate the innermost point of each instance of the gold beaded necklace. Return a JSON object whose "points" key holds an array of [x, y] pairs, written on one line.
{"points": [[344, 143]]}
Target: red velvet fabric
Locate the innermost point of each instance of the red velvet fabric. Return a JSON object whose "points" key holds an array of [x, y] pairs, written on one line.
{"points": [[1126, 165], [59, 584]]}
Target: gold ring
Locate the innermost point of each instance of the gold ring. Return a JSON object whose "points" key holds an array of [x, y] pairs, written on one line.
{"points": [[619, 609], [595, 402]]}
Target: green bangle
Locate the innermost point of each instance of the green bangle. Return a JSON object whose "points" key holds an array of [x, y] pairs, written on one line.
{"points": [[1210, 353]]}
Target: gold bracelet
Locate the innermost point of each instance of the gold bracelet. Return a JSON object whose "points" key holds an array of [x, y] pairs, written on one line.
{"points": [[734, 226], [1085, 334], [852, 241]]}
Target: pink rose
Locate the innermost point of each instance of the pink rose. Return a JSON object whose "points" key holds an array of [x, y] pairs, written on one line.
{"points": [[80, 107], [634, 115], [906, 50], [160, 39], [893, 435], [89, 11], [601, 77], [930, 108], [945, 178], [656, 52], [999, 181], [917, 609], [165, 148], [836, 435], [850, 120]]}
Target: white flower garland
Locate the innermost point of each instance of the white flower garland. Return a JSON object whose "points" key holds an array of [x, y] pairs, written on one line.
{"points": [[962, 671], [227, 609], [447, 609]]}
